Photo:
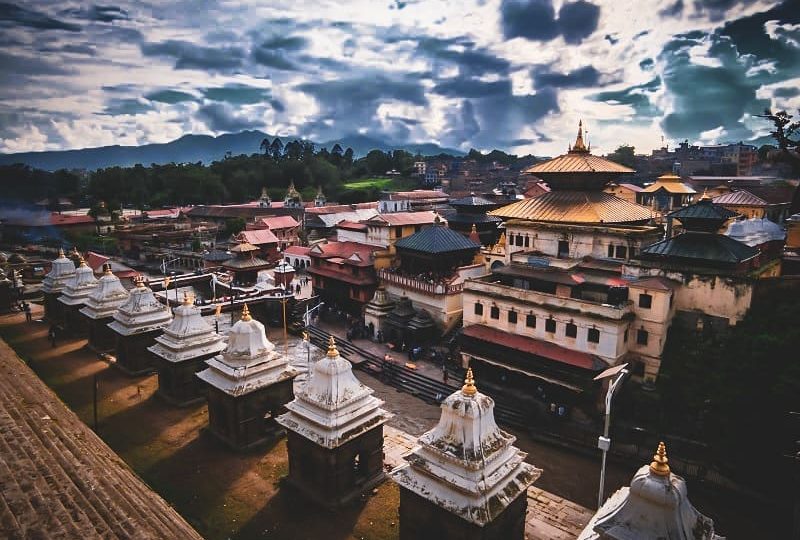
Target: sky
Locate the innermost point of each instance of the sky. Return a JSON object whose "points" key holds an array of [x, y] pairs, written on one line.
{"points": [[510, 74]]}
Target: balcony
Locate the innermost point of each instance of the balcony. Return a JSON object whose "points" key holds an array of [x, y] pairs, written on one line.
{"points": [[411, 283], [551, 301]]}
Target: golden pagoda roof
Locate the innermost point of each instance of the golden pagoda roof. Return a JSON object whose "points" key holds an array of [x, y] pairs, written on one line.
{"points": [[670, 183], [576, 207]]}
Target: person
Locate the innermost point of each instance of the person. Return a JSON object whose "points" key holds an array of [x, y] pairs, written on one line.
{"points": [[297, 289], [27, 307], [52, 335], [444, 373]]}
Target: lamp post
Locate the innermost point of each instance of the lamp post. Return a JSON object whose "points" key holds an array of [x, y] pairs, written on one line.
{"points": [[616, 375], [217, 313]]}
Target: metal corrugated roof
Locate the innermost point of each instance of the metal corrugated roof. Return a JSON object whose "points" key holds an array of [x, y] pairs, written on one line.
{"points": [[701, 246], [670, 183], [436, 239], [472, 200], [704, 209], [576, 207], [742, 197], [573, 162]]}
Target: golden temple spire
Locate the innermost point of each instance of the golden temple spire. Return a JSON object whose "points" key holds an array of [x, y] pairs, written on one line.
{"points": [[61, 253], [107, 269], [187, 300], [579, 145], [139, 281], [332, 351], [705, 196], [246, 314], [660, 465], [469, 384]]}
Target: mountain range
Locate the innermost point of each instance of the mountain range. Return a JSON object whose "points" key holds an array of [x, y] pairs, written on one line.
{"points": [[194, 148]]}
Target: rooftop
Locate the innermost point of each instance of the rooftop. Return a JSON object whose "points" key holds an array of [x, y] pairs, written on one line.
{"points": [[436, 239], [278, 222], [576, 207], [354, 253], [671, 183], [740, 198], [257, 237], [701, 246], [405, 218]]}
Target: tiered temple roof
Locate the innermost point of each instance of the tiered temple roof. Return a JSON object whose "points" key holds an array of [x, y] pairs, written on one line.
{"points": [[466, 464], [333, 407], [671, 183], [142, 312], [61, 272], [80, 286], [188, 336], [591, 207], [106, 298], [655, 505], [249, 361], [437, 240]]}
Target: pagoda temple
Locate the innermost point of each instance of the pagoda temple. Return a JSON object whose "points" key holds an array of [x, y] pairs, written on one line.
{"points": [[655, 506], [74, 297], [137, 322], [465, 479], [245, 264], [335, 434], [667, 193], [61, 271], [436, 250], [100, 307], [248, 386], [471, 214], [181, 351]]}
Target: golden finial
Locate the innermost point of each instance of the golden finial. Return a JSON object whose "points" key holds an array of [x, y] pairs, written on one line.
{"points": [[61, 253], [660, 464], [469, 384], [139, 280], [579, 145], [474, 228], [246, 314], [107, 269], [706, 196], [187, 300], [332, 351]]}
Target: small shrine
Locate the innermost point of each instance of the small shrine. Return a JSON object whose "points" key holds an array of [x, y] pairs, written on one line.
{"points": [[245, 264], [284, 274], [61, 271], [465, 479], [248, 386], [377, 310], [335, 434], [293, 199], [656, 505], [421, 328], [396, 322], [6, 287], [101, 305], [137, 322], [181, 351], [75, 295], [320, 199]]}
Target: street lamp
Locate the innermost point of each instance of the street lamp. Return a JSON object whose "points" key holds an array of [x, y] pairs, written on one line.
{"points": [[616, 375]]}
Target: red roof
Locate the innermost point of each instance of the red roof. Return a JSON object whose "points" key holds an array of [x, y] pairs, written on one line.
{"points": [[44, 219], [297, 250], [351, 226], [95, 261], [277, 222], [338, 208], [355, 253], [406, 218], [417, 194], [257, 237], [532, 346]]}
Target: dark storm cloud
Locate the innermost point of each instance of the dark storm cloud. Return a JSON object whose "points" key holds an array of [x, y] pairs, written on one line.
{"points": [[636, 96], [715, 9], [190, 56], [584, 77], [460, 52], [672, 10], [462, 124], [647, 64], [116, 107], [12, 65], [706, 97], [33, 19], [578, 20], [170, 97], [276, 52], [236, 94], [786, 92], [750, 36], [221, 117], [536, 20], [107, 13], [472, 88]]}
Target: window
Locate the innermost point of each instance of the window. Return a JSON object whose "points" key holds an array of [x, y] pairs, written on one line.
{"points": [[478, 308], [530, 320], [494, 313], [593, 336], [527, 241], [398, 232], [572, 330], [611, 250], [550, 326], [519, 240], [645, 301], [563, 249], [641, 337], [625, 337], [671, 297], [512, 317], [622, 252]]}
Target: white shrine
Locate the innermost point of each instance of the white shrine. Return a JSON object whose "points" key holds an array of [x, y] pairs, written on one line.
{"points": [[101, 305], [74, 297], [61, 272]]}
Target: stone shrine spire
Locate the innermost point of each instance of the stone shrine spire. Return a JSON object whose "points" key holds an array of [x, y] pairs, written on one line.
{"points": [[655, 505], [467, 466], [333, 407]]}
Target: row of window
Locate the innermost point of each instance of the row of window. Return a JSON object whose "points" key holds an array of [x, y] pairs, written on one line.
{"points": [[571, 330]]}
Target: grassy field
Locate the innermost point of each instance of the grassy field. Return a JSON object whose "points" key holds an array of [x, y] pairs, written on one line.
{"points": [[389, 184]]}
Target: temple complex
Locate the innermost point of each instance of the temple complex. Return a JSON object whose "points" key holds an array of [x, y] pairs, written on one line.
{"points": [[137, 322], [465, 479], [181, 351], [335, 434], [101, 305], [76, 294], [656, 505], [471, 214], [248, 386], [61, 271]]}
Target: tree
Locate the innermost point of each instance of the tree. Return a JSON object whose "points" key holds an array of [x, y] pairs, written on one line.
{"points": [[348, 156], [624, 155], [234, 226], [784, 130], [264, 146], [276, 148]]}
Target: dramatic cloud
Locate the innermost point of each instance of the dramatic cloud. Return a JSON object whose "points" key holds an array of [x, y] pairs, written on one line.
{"points": [[513, 74]]}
